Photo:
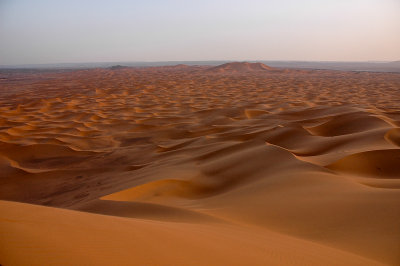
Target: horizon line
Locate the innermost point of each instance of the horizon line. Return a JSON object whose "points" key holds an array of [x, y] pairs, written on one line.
{"points": [[180, 61]]}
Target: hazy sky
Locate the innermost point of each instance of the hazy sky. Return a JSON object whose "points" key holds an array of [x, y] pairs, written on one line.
{"points": [[54, 31]]}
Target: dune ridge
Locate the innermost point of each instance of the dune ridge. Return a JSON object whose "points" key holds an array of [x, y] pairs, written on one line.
{"points": [[301, 166]]}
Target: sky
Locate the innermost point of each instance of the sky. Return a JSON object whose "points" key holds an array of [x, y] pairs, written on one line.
{"points": [[73, 31]]}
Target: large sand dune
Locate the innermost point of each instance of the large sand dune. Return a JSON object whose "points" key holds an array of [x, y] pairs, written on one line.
{"points": [[197, 165]]}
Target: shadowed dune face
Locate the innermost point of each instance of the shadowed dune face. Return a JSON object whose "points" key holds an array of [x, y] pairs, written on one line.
{"points": [[311, 154], [376, 163]]}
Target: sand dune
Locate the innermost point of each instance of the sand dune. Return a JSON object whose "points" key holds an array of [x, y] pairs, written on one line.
{"points": [[377, 163], [236, 164], [103, 240]]}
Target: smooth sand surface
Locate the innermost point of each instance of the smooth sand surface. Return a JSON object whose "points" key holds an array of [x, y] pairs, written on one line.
{"points": [[39, 235], [240, 164]]}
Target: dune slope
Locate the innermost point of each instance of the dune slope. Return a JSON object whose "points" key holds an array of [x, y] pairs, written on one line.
{"points": [[48, 236]]}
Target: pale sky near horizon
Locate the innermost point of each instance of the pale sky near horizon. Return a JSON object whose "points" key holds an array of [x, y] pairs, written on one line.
{"points": [[62, 31]]}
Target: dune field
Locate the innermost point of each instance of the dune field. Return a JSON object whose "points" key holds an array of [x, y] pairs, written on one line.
{"points": [[239, 164]]}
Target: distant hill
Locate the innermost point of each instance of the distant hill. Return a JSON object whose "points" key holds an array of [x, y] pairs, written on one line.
{"points": [[117, 67], [173, 67], [239, 67]]}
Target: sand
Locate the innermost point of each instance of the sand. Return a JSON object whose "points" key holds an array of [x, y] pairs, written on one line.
{"points": [[193, 165]]}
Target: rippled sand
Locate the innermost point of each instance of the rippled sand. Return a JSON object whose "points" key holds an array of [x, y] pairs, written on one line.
{"points": [[239, 164]]}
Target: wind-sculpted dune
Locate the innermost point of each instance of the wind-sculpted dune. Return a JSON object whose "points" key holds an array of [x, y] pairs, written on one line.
{"points": [[194, 165]]}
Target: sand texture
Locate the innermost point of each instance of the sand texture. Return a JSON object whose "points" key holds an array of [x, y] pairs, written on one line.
{"points": [[239, 164]]}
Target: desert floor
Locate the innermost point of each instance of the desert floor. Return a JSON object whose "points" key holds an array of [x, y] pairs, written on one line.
{"points": [[190, 165]]}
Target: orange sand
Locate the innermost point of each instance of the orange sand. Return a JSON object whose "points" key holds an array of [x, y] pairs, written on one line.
{"points": [[191, 165]]}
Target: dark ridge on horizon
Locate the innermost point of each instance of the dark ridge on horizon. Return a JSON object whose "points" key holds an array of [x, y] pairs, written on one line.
{"points": [[240, 67], [116, 67]]}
